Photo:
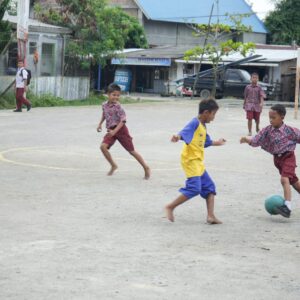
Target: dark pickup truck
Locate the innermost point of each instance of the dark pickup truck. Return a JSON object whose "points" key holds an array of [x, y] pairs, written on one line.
{"points": [[230, 82]]}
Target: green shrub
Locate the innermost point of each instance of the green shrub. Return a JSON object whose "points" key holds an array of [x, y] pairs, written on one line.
{"points": [[8, 101]]}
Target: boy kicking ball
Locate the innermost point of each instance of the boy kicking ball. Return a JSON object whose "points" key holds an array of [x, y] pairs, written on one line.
{"points": [[280, 140]]}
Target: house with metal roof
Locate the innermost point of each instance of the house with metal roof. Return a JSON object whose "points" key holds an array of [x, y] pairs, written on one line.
{"points": [[167, 22], [47, 42], [156, 70], [168, 27]]}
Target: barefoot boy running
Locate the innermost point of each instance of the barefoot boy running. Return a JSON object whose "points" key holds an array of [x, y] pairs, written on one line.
{"points": [[280, 140], [192, 160], [115, 118]]}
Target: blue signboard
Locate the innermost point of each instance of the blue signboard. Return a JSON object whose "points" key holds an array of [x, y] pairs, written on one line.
{"points": [[123, 79], [142, 61]]}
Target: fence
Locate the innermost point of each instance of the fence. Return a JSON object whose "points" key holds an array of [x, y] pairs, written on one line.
{"points": [[69, 88]]}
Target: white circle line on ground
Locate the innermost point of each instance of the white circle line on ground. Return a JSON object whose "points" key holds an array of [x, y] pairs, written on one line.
{"points": [[5, 160], [46, 150]]}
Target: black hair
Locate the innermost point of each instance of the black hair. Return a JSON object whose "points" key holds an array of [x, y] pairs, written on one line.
{"points": [[208, 104], [254, 74], [280, 109], [113, 87]]}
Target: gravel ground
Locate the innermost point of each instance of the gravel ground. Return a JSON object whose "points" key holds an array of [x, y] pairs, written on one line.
{"points": [[68, 231]]}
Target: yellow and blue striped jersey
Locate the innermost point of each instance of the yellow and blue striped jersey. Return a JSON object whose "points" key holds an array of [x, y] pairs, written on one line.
{"points": [[192, 156]]}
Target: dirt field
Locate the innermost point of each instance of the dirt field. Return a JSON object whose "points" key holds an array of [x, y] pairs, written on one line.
{"points": [[70, 232]]}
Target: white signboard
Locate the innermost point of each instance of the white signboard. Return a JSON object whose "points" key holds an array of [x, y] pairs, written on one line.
{"points": [[22, 16]]}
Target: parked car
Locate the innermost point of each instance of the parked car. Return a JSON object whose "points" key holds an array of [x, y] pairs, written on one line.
{"points": [[230, 82]]}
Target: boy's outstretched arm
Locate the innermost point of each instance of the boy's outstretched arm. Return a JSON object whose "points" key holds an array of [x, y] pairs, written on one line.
{"points": [[209, 142], [219, 142], [175, 138], [245, 140]]}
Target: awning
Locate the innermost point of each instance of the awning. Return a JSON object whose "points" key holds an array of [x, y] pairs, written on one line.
{"points": [[142, 61], [258, 63]]}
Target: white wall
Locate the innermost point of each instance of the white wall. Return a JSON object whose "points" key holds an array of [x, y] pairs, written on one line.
{"points": [[68, 88]]}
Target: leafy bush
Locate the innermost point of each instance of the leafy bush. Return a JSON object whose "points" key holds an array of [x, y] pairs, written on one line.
{"points": [[45, 100], [8, 101]]}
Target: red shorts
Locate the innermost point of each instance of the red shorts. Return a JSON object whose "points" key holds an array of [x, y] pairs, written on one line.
{"points": [[253, 115], [122, 136], [286, 164]]}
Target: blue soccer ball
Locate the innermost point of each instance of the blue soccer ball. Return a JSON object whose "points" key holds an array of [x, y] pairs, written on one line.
{"points": [[272, 202]]}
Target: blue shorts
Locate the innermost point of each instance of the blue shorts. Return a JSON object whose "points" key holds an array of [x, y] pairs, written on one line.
{"points": [[198, 185]]}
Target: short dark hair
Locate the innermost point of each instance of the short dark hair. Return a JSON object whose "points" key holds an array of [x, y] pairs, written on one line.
{"points": [[280, 109], [113, 87], [254, 74], [208, 104]]}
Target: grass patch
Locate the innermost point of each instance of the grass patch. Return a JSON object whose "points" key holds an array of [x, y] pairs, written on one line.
{"points": [[47, 100]]}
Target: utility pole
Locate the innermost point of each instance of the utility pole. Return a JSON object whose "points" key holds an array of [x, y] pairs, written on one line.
{"points": [[297, 84], [22, 28]]}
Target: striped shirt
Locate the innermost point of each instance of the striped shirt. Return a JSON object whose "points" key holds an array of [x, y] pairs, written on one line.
{"points": [[277, 140], [113, 114], [252, 96]]}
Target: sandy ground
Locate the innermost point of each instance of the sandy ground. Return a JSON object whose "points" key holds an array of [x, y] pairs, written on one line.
{"points": [[68, 231]]}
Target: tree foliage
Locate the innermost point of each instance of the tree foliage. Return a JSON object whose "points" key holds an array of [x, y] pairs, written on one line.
{"points": [[5, 28], [221, 42], [284, 22], [98, 30]]}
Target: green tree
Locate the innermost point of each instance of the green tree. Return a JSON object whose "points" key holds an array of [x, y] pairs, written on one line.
{"points": [[5, 28], [98, 30], [284, 23], [221, 43]]}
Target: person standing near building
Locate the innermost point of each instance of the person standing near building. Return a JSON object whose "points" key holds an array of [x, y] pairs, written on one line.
{"points": [[21, 87], [253, 102]]}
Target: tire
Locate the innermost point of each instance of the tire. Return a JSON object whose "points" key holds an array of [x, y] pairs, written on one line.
{"points": [[205, 93]]}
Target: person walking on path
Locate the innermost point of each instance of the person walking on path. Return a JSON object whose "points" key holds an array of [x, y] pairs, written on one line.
{"points": [[21, 87], [253, 102]]}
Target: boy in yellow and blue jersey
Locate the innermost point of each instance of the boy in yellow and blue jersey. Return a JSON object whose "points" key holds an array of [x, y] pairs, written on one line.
{"points": [[198, 181]]}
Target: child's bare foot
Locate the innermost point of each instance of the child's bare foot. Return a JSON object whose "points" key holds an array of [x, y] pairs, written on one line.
{"points": [[213, 220], [147, 173], [169, 213], [112, 170]]}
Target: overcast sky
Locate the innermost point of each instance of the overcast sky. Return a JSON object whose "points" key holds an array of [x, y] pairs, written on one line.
{"points": [[261, 7]]}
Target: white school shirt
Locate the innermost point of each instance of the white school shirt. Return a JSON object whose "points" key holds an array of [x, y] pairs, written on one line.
{"points": [[20, 79]]}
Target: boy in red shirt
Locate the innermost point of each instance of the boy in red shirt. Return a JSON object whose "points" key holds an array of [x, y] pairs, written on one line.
{"points": [[115, 118], [253, 102], [280, 140]]}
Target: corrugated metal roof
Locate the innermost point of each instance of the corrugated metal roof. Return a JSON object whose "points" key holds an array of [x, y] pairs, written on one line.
{"points": [[34, 24], [159, 52], [267, 55], [198, 11]]}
